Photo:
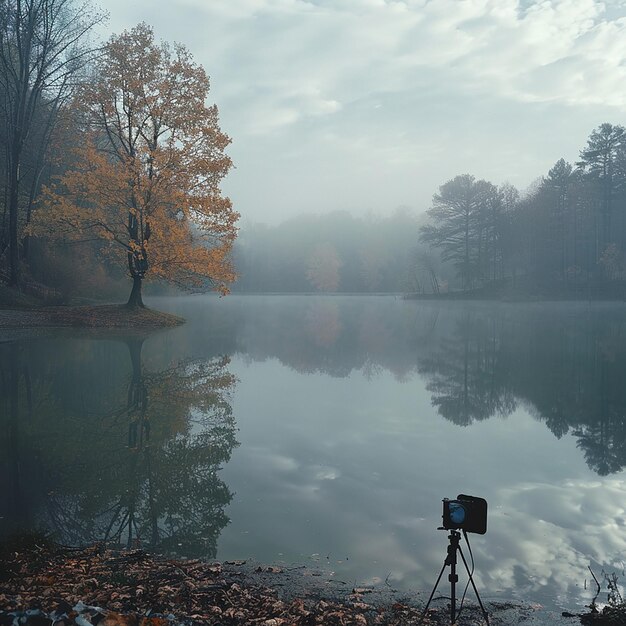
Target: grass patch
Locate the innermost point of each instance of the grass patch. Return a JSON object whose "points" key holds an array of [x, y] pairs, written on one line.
{"points": [[101, 317]]}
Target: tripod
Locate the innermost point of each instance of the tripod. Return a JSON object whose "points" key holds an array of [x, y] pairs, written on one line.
{"points": [[450, 560]]}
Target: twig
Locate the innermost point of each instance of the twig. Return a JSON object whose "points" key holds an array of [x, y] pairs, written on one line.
{"points": [[592, 606]]}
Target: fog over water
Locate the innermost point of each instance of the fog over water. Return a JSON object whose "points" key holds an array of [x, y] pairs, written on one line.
{"points": [[326, 430]]}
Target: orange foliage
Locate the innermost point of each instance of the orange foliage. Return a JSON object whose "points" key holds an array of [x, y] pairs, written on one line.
{"points": [[323, 270], [146, 172]]}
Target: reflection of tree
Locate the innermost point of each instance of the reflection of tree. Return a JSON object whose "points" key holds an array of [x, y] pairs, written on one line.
{"points": [[144, 473], [333, 336], [567, 370], [323, 324], [22, 480], [464, 373], [604, 445], [570, 371], [563, 363], [13, 506], [602, 436], [174, 497]]}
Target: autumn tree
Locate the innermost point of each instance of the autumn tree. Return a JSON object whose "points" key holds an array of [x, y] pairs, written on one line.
{"points": [[147, 171], [42, 50], [323, 268]]}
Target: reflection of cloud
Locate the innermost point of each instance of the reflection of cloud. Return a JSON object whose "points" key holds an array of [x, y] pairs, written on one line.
{"points": [[547, 534], [326, 473], [278, 462]]}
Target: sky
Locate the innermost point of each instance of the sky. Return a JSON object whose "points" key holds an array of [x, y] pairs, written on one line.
{"points": [[371, 105]]}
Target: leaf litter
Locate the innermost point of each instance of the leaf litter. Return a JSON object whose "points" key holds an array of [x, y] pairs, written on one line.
{"points": [[95, 586], [42, 584]]}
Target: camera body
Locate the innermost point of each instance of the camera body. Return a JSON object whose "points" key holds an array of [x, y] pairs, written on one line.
{"points": [[468, 513]]}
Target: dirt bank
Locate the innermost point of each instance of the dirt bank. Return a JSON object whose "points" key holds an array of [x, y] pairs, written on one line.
{"points": [[103, 316]]}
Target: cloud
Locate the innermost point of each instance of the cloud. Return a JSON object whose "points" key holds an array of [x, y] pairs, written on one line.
{"points": [[351, 99], [315, 58], [338, 52]]}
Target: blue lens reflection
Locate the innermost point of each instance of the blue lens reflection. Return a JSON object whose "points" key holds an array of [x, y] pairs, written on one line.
{"points": [[457, 513]]}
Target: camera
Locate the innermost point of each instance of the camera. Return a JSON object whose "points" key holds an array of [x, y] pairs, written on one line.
{"points": [[468, 513]]}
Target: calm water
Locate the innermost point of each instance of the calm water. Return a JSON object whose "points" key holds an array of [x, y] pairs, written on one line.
{"points": [[325, 431]]}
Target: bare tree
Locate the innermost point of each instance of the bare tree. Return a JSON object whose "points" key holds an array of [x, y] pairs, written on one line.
{"points": [[43, 49]]}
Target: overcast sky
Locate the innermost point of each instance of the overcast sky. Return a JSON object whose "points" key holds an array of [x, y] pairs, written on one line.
{"points": [[367, 105]]}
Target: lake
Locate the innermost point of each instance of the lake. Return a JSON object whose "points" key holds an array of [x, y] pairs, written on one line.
{"points": [[325, 431]]}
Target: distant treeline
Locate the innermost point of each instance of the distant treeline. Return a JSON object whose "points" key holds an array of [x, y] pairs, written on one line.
{"points": [[103, 178], [564, 237], [572, 229], [335, 252]]}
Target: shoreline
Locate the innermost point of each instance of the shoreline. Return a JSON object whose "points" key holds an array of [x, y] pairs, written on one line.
{"points": [[101, 317], [48, 584], [117, 317]]}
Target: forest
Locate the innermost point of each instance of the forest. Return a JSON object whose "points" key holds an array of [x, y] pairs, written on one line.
{"points": [[562, 237], [107, 171], [112, 177]]}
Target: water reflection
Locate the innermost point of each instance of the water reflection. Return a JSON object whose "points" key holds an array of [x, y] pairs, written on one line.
{"points": [[357, 416], [403, 403], [567, 370], [96, 446], [466, 375], [564, 363]]}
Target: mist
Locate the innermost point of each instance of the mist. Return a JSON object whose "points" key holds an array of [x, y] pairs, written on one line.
{"points": [[278, 277]]}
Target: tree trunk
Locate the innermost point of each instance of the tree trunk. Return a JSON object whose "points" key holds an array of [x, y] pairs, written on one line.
{"points": [[14, 259], [135, 300]]}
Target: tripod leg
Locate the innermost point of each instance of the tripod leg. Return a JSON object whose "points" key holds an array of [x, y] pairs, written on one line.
{"points": [[432, 593], [485, 615], [453, 578]]}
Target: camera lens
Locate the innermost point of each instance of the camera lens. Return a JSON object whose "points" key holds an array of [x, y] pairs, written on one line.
{"points": [[457, 513]]}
